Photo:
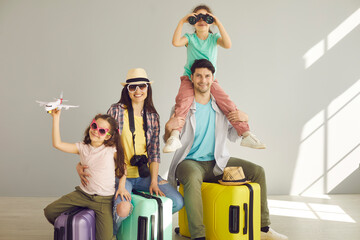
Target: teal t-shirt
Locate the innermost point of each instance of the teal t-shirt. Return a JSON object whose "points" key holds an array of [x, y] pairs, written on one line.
{"points": [[204, 142], [200, 49]]}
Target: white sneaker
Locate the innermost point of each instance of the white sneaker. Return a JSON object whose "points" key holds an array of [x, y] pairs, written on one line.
{"points": [[272, 235], [172, 144], [252, 142]]}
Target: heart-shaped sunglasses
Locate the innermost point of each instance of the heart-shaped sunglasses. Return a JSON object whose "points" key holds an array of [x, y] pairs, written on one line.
{"points": [[101, 131]]}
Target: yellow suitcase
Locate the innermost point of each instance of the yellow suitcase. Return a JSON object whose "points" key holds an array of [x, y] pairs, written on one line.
{"points": [[230, 212]]}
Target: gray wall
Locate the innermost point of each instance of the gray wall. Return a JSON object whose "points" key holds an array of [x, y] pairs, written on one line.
{"points": [[293, 68]]}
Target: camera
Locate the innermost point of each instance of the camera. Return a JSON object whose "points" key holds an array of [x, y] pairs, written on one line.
{"points": [[207, 18], [141, 162]]}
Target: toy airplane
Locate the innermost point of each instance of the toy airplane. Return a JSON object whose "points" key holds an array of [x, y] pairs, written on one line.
{"points": [[49, 106]]}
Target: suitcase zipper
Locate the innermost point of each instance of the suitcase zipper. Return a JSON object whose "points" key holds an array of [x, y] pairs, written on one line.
{"points": [[142, 228], [234, 219]]}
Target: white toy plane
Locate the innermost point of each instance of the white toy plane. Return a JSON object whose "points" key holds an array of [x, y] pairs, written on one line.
{"points": [[49, 106]]}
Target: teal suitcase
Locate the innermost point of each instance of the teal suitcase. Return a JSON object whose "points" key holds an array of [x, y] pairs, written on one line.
{"points": [[151, 218]]}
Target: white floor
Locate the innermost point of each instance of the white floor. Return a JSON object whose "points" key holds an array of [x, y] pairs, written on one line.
{"points": [[334, 217]]}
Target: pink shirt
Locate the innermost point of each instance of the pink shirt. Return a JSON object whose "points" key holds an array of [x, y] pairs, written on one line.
{"points": [[101, 165]]}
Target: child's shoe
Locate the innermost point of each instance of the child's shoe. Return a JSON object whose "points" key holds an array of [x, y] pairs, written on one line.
{"points": [[251, 141], [173, 143], [272, 235]]}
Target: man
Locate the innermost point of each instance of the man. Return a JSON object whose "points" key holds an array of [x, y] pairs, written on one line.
{"points": [[203, 157]]}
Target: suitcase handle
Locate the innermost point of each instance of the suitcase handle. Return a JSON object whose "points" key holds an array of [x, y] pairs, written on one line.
{"points": [[246, 218], [69, 225], [251, 211], [234, 219], [142, 228], [160, 211], [152, 221]]}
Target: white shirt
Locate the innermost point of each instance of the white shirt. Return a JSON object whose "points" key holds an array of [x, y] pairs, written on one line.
{"points": [[223, 130], [101, 168]]}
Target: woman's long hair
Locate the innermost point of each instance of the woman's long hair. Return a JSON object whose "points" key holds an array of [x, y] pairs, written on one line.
{"points": [[148, 102], [115, 140]]}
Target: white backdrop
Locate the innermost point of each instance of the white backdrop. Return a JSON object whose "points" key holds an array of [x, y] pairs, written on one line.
{"points": [[293, 68]]}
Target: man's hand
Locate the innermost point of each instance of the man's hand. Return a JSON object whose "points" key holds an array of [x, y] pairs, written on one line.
{"points": [[237, 116], [172, 124], [175, 123], [83, 176]]}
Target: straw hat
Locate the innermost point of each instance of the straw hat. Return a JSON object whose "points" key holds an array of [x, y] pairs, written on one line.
{"points": [[233, 176], [136, 76]]}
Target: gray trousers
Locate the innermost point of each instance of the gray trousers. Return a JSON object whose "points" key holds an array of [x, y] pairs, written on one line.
{"points": [[192, 173]]}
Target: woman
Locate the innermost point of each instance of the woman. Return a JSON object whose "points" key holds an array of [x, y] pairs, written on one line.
{"points": [[143, 142]]}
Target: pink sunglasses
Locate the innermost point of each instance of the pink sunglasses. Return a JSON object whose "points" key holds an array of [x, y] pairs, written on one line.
{"points": [[101, 131]]}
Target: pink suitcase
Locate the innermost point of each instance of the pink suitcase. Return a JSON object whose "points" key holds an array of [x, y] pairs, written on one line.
{"points": [[75, 224]]}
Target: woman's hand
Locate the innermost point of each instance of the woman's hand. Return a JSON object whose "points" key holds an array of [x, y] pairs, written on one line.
{"points": [[237, 116], [82, 174], [123, 193], [154, 188]]}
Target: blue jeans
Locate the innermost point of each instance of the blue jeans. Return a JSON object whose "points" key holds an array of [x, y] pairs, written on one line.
{"points": [[143, 184]]}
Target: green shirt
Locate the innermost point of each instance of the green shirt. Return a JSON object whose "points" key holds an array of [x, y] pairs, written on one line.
{"points": [[200, 49]]}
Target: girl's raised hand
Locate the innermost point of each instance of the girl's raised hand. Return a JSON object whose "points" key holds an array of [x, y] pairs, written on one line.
{"points": [[216, 20], [55, 112], [185, 19], [123, 193]]}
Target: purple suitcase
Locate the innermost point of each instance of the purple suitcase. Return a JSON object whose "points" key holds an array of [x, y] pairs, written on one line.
{"points": [[75, 224]]}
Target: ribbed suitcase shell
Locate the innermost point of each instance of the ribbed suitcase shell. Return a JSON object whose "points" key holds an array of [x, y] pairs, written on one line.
{"points": [[75, 224], [227, 212], [143, 223]]}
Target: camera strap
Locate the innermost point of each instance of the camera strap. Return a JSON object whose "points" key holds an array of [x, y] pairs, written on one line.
{"points": [[132, 124]]}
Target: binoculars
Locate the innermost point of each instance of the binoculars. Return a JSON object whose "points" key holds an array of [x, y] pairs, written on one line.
{"points": [[207, 18]]}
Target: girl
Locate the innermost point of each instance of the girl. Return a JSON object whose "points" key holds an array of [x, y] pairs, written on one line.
{"points": [[101, 151], [136, 100], [203, 44]]}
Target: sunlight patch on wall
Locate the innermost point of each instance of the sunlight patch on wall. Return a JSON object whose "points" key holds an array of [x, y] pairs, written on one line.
{"points": [[343, 136], [314, 53], [343, 29], [329, 149], [310, 157], [340, 32]]}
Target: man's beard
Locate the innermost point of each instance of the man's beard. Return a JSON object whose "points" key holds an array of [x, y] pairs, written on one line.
{"points": [[202, 89]]}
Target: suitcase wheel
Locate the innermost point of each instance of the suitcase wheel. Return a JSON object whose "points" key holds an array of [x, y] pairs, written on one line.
{"points": [[177, 230]]}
